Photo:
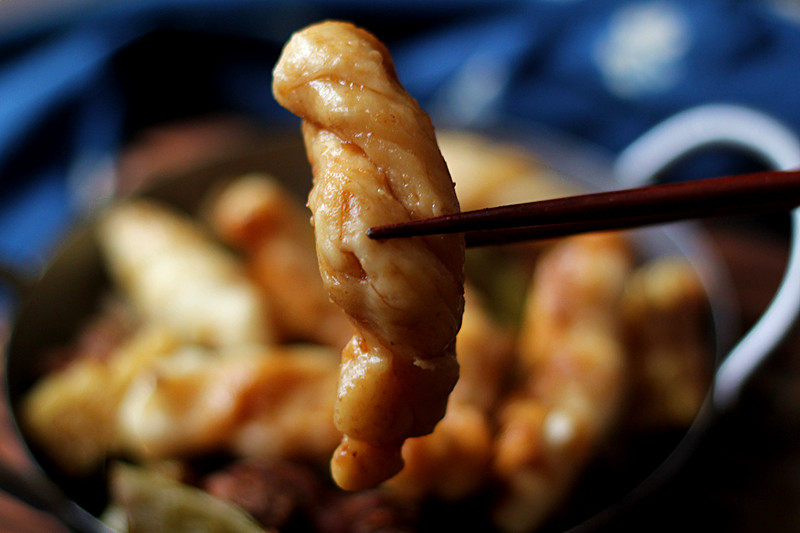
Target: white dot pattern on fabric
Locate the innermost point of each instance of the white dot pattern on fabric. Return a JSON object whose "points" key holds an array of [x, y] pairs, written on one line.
{"points": [[641, 52], [788, 9]]}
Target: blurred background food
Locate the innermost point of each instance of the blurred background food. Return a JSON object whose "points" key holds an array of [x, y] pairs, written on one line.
{"points": [[98, 98], [220, 373]]}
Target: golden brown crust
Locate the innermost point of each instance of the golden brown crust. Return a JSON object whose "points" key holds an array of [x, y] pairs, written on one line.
{"points": [[256, 215], [573, 352], [375, 161]]}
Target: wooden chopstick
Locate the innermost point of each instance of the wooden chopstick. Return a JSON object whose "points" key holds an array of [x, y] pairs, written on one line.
{"points": [[551, 231], [730, 195]]}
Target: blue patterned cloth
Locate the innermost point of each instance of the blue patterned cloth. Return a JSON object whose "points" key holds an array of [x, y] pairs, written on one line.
{"points": [[76, 85]]}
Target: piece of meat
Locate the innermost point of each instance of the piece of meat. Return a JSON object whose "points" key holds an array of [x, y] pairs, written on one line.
{"points": [[666, 324], [177, 276], [365, 512], [276, 493], [291, 496], [254, 402], [256, 215], [485, 357], [453, 461], [72, 414], [375, 161], [450, 463], [575, 364]]}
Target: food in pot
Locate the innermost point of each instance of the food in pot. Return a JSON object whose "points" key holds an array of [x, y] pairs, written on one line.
{"points": [[572, 352], [223, 394], [175, 274], [257, 216]]}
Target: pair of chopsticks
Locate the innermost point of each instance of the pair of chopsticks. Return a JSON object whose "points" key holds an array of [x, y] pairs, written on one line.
{"points": [[744, 194]]}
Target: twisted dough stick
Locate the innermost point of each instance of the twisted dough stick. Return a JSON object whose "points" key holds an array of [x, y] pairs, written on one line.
{"points": [[375, 161]]}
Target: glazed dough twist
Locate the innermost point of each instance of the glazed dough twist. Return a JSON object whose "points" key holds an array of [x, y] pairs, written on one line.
{"points": [[375, 161]]}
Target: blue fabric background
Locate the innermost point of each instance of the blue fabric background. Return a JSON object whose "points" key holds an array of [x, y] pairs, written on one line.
{"points": [[603, 70]]}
